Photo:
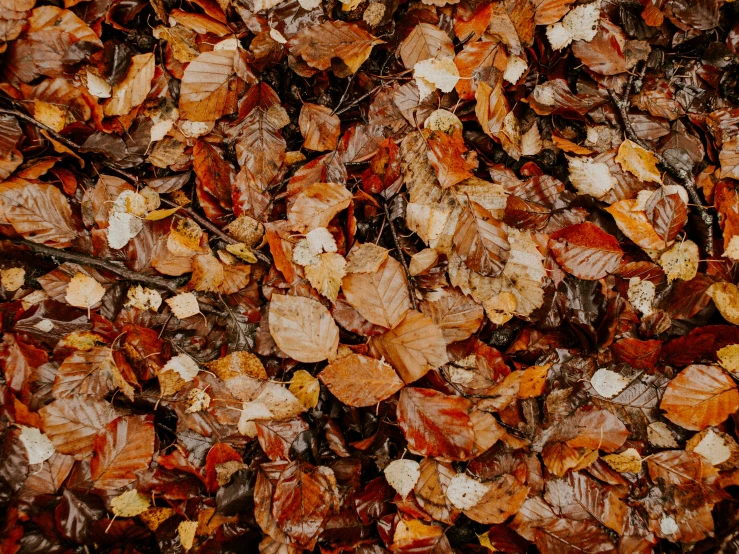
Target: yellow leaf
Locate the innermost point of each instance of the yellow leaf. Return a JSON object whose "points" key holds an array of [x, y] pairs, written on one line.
{"points": [[154, 517], [728, 357], [485, 541], [12, 278], [130, 504], [638, 161], [187, 529], [305, 388], [241, 250], [533, 381], [628, 461], [156, 215]]}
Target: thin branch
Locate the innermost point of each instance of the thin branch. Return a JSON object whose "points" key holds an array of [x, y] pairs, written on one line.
{"points": [[213, 229], [170, 285], [409, 278], [358, 100], [56, 136], [686, 177]]}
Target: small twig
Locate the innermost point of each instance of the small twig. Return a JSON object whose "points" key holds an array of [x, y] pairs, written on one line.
{"points": [[409, 278], [57, 137], [358, 100], [686, 177], [170, 285], [213, 229], [343, 96]]}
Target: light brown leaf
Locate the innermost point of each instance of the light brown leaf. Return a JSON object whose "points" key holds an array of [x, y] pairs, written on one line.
{"points": [[134, 88], [413, 348], [481, 240], [72, 424], [316, 205], [37, 212], [424, 42], [319, 126], [380, 297], [360, 381], [303, 328], [635, 225], [204, 90], [319, 44]]}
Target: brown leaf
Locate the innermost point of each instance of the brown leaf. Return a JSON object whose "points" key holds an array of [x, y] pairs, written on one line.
{"points": [[481, 240], [276, 437], [319, 44], [90, 372], [316, 205], [435, 424], [37, 212], [586, 251], [134, 88], [667, 213], [319, 126], [303, 497], [700, 396], [380, 297], [303, 328], [72, 424], [213, 171], [205, 88], [424, 42], [260, 147], [360, 381], [413, 348], [431, 487], [450, 158], [503, 499], [125, 447], [456, 314]]}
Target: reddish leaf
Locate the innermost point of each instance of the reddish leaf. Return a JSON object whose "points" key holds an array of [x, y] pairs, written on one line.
{"points": [[304, 496], [435, 424], [586, 251], [123, 448]]}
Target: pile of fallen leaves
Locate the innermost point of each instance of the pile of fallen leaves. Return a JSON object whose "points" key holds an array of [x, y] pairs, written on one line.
{"points": [[369, 276]]}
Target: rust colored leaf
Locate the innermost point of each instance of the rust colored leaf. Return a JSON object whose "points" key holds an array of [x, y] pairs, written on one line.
{"points": [[450, 158], [481, 240], [304, 496], [124, 447], [667, 213], [319, 126], [700, 396], [435, 424], [302, 328], [360, 381], [319, 44], [586, 251], [413, 348], [380, 297]]}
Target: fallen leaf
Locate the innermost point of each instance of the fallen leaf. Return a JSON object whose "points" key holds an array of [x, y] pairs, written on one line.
{"points": [[305, 388], [84, 291], [130, 504], [360, 381], [303, 328]]}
